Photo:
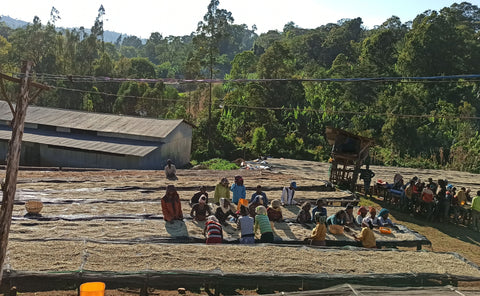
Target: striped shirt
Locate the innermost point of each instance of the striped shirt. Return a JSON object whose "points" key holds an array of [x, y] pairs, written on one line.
{"points": [[214, 229], [262, 222]]}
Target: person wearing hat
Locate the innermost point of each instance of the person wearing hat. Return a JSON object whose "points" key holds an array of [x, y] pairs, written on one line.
{"points": [[170, 171], [383, 219], [367, 237], [201, 210], [372, 219], [263, 224], [213, 231], [274, 211], [221, 190], [362, 213], [196, 196], [288, 193], [238, 190], [171, 207], [319, 233]]}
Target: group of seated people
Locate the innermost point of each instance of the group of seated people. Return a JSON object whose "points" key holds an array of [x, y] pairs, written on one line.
{"points": [[258, 215], [435, 201]]}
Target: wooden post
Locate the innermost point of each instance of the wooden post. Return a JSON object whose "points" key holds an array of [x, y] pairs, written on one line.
{"points": [[9, 185]]}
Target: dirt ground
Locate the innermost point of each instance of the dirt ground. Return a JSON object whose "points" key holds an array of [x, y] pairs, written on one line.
{"points": [[75, 194]]}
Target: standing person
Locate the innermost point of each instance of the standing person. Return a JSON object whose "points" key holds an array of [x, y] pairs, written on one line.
{"points": [[196, 196], [245, 225], [221, 190], [171, 207], [274, 211], [263, 224], [238, 190], [213, 231], [476, 211], [170, 171], [201, 210], [262, 195], [288, 193], [366, 175]]}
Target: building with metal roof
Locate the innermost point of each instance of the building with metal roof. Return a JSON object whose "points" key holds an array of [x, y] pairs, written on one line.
{"points": [[66, 138]]}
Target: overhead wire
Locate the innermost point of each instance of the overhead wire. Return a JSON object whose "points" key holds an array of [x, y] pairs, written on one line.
{"points": [[430, 79]]}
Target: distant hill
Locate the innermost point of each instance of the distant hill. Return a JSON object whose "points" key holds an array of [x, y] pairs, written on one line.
{"points": [[108, 36]]}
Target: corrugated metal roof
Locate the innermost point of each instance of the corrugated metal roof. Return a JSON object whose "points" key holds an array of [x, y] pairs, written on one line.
{"points": [[106, 123], [84, 142]]}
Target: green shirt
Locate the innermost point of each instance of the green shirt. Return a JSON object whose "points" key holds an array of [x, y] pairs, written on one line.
{"points": [[221, 191], [476, 203], [262, 222]]}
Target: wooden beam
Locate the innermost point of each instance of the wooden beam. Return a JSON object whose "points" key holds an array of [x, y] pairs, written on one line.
{"points": [[13, 160], [32, 83]]}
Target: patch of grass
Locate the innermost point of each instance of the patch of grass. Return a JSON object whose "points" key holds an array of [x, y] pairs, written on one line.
{"points": [[219, 164]]}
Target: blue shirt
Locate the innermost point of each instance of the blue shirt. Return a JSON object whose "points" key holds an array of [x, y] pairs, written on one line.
{"points": [[238, 191], [264, 198]]}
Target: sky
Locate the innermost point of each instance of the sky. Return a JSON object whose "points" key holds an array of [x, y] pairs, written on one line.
{"points": [[180, 17]]}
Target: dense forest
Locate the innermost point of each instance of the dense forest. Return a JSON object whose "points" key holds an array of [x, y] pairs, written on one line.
{"points": [[413, 87]]}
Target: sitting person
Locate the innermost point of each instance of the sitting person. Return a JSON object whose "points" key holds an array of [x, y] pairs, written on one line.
{"points": [[260, 194], [263, 224], [171, 207], [274, 211], [256, 201], [245, 225], [367, 237], [224, 210], [362, 213], [201, 209], [349, 218], [372, 219], [319, 208], [221, 190], [213, 231], [320, 231], [383, 219], [288, 193], [304, 214], [196, 196], [170, 171], [337, 219]]}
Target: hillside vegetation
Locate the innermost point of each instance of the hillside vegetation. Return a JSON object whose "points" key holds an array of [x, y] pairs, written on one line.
{"points": [[274, 93]]}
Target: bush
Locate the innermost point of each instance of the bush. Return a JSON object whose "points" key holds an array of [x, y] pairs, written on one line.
{"points": [[219, 164]]}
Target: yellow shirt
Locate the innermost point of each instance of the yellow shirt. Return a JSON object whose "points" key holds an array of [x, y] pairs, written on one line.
{"points": [[319, 232], [221, 191], [367, 237]]}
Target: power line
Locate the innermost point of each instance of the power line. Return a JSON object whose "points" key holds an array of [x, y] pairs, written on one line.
{"points": [[174, 81]]}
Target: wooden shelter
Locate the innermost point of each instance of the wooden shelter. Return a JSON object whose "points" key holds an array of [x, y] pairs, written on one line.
{"points": [[349, 152]]}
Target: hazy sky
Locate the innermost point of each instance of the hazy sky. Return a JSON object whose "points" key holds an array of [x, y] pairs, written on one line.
{"points": [[180, 17]]}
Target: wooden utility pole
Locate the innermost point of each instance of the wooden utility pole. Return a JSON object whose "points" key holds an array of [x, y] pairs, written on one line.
{"points": [[9, 186]]}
